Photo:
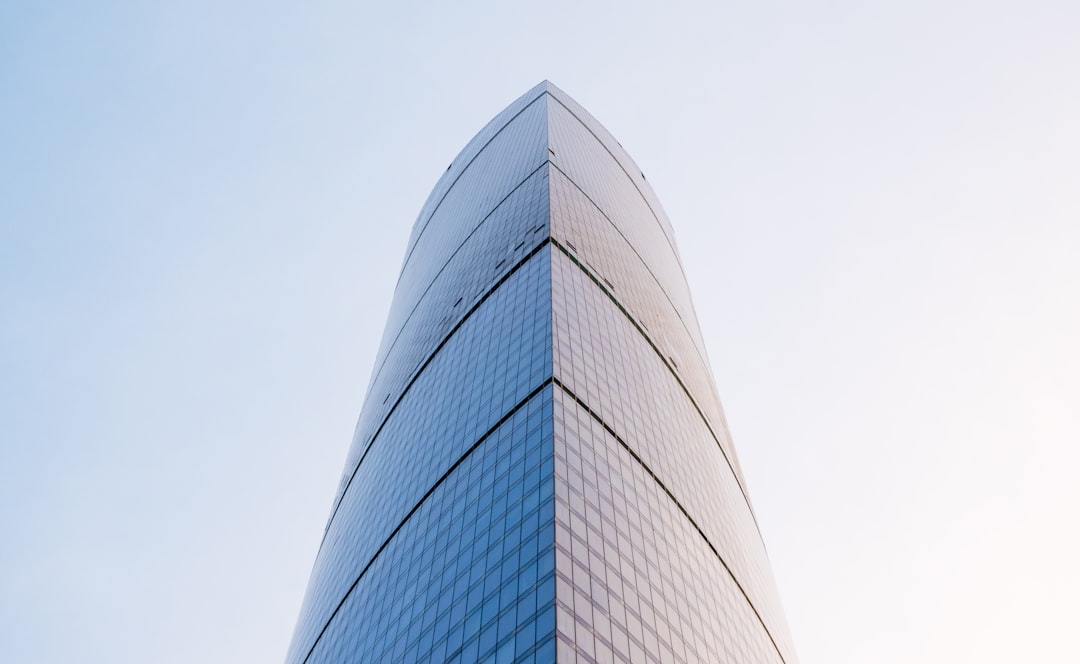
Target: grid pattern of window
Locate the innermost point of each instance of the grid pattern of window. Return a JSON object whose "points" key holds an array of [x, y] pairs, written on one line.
{"points": [[627, 349], [617, 192], [496, 358], [603, 361], [604, 254], [541, 470], [636, 582], [469, 576]]}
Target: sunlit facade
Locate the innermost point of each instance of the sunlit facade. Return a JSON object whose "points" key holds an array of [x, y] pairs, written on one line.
{"points": [[541, 471]]}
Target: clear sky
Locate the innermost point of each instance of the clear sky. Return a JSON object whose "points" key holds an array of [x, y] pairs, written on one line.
{"points": [[204, 206]]}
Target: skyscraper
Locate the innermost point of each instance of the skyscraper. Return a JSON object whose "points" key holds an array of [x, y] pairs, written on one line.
{"points": [[541, 470]]}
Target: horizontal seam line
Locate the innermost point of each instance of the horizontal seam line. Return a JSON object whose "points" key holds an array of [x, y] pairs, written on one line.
{"points": [[675, 500], [569, 179], [448, 260], [463, 170], [663, 360], [518, 406], [420, 371], [667, 237]]}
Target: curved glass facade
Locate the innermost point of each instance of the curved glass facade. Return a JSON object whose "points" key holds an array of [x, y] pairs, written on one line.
{"points": [[541, 471]]}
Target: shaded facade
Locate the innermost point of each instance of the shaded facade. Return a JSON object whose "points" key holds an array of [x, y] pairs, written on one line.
{"points": [[541, 470]]}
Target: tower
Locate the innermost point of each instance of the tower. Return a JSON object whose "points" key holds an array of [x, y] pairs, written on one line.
{"points": [[541, 470]]}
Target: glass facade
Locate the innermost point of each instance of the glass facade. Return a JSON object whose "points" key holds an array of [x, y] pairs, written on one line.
{"points": [[541, 470]]}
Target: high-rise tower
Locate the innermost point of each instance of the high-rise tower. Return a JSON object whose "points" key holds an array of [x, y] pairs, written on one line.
{"points": [[541, 469]]}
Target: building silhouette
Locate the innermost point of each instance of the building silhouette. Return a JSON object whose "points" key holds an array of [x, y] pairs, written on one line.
{"points": [[541, 470]]}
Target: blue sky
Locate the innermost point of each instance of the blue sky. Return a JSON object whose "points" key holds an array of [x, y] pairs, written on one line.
{"points": [[203, 209]]}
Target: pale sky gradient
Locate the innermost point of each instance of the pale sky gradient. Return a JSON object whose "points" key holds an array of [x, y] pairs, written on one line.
{"points": [[203, 210]]}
